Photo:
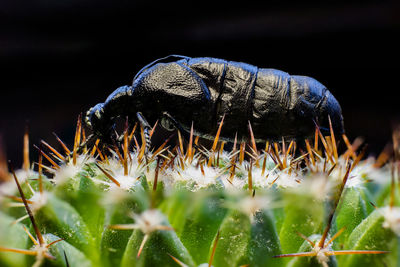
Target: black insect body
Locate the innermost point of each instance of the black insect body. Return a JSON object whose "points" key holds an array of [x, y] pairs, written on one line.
{"points": [[181, 90]]}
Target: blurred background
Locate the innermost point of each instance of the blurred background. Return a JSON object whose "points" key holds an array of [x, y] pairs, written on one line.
{"points": [[58, 58]]}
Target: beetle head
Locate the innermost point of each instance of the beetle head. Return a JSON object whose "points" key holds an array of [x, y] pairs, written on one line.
{"points": [[94, 119]]}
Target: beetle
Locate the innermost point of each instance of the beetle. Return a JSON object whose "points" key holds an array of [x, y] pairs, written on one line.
{"points": [[181, 90]]}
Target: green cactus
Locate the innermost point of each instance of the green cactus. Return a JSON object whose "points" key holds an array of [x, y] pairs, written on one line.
{"points": [[177, 206]]}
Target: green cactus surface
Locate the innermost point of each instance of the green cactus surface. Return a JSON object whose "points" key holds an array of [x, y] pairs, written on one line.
{"points": [[285, 205]]}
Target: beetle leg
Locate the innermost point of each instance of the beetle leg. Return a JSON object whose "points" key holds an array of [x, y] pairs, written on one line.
{"points": [[169, 123], [185, 134], [90, 141], [146, 128]]}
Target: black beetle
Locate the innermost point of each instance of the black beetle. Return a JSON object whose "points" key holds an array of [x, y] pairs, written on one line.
{"points": [[181, 90]]}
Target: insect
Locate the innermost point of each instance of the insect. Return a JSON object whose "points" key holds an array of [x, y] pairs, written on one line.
{"points": [[181, 90]]}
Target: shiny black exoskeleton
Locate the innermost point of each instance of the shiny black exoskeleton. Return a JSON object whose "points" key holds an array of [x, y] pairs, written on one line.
{"points": [[180, 90]]}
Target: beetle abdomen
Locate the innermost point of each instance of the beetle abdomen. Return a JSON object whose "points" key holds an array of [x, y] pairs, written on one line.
{"points": [[276, 103], [271, 101], [289, 105]]}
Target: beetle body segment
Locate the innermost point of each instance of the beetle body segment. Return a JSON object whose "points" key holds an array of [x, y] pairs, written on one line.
{"points": [[202, 90]]}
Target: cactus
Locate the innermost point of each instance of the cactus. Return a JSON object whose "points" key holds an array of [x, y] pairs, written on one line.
{"points": [[284, 205]]}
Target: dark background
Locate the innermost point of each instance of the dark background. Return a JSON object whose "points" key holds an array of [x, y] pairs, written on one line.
{"points": [[58, 58]]}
